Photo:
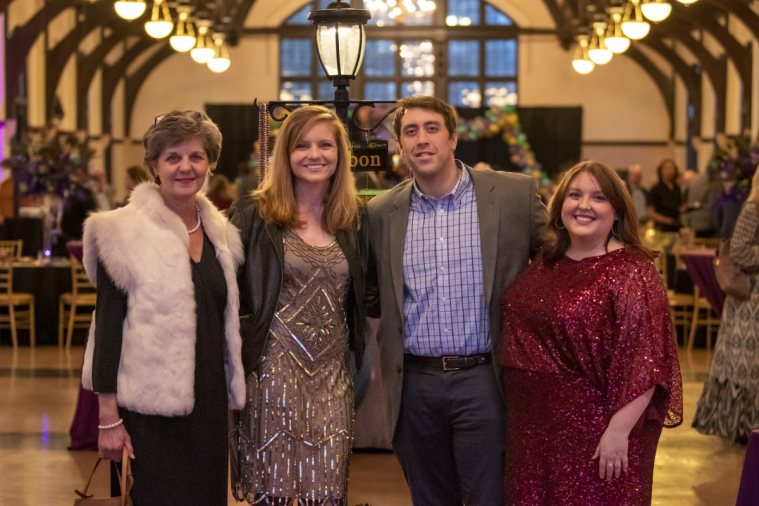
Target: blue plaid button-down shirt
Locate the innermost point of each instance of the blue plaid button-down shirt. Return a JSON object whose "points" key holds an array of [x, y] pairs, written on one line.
{"points": [[444, 299]]}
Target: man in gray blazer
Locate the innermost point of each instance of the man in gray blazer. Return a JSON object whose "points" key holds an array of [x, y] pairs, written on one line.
{"points": [[442, 248]]}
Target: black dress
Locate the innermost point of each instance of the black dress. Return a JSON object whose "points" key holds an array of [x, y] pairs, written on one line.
{"points": [[178, 460], [667, 202]]}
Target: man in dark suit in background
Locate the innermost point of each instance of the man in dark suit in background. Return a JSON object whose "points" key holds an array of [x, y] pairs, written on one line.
{"points": [[442, 248]]}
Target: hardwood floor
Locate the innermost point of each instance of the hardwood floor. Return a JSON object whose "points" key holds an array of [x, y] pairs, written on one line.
{"points": [[38, 391]]}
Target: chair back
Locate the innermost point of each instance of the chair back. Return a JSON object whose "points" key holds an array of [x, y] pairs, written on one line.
{"points": [[11, 249], [6, 280], [80, 284]]}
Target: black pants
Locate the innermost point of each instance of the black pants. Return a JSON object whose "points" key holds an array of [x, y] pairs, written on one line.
{"points": [[449, 438]]}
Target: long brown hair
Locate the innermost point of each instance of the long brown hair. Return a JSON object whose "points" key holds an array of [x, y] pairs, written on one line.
{"points": [[276, 200], [624, 228]]}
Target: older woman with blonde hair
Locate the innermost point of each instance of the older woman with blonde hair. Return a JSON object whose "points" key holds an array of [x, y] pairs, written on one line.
{"points": [[587, 331], [302, 290], [164, 347], [729, 404]]}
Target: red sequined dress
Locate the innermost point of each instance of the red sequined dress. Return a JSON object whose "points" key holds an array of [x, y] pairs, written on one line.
{"points": [[582, 339]]}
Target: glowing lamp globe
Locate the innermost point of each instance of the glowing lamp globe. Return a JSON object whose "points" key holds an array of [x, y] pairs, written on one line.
{"points": [[129, 9], [159, 29], [218, 64], [182, 43], [635, 30], [617, 44], [600, 56], [583, 66], [656, 11]]}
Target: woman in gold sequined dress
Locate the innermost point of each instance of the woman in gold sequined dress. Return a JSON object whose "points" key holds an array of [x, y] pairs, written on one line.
{"points": [[301, 292]]}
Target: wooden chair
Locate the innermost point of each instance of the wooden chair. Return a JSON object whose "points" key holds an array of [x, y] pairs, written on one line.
{"points": [[681, 304], [702, 305], [15, 319], [13, 248], [82, 296]]}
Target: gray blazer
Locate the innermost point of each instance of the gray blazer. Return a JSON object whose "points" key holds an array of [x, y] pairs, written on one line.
{"points": [[512, 229]]}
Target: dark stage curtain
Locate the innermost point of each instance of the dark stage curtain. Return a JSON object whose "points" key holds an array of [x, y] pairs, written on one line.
{"points": [[239, 129], [554, 134]]}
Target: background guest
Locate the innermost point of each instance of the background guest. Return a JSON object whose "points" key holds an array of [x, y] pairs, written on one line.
{"points": [[247, 179], [638, 193], [221, 192], [700, 197], [665, 198], [589, 358], [134, 176], [164, 349], [729, 404]]}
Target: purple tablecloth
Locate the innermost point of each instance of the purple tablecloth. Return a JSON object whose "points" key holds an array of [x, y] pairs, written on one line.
{"points": [[748, 494], [700, 265], [84, 428]]}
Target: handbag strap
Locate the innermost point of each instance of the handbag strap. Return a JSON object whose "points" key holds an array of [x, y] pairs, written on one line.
{"points": [[125, 477]]}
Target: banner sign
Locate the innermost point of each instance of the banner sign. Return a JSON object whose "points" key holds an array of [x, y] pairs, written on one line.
{"points": [[369, 155]]}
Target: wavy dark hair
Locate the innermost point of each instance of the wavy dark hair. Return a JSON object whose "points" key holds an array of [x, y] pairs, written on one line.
{"points": [[661, 166], [613, 188]]}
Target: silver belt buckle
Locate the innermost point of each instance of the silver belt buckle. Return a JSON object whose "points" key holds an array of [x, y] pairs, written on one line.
{"points": [[445, 364]]}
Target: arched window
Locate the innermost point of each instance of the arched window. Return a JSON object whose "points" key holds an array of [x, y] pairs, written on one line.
{"points": [[463, 51]]}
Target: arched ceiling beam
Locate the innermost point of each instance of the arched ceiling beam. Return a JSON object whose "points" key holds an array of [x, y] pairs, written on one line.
{"points": [[740, 55], [563, 29], [134, 83], [741, 10], [690, 76], [112, 74], [19, 44], [88, 65], [662, 82], [95, 15], [716, 70]]}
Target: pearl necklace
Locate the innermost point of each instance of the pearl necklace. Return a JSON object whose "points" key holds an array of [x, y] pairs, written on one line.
{"points": [[198, 225]]}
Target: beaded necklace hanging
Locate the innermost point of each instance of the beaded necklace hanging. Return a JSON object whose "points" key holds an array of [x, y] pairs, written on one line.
{"points": [[198, 225], [263, 143]]}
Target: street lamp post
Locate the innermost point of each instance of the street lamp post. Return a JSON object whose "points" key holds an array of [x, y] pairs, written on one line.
{"points": [[340, 44]]}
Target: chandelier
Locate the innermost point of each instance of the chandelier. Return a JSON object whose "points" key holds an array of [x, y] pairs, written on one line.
{"points": [[399, 9]]}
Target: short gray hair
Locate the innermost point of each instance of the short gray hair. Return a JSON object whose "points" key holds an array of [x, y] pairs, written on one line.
{"points": [[178, 127]]}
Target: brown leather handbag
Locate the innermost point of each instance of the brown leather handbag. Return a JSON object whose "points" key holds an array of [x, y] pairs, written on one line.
{"points": [[731, 278], [125, 479]]}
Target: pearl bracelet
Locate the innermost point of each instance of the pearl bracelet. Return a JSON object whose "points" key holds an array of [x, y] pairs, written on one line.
{"points": [[106, 427]]}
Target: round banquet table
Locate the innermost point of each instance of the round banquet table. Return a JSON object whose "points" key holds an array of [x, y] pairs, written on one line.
{"points": [[700, 265], [46, 282]]}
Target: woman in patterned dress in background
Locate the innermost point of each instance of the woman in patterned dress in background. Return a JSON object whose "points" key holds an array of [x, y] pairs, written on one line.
{"points": [[729, 404], [589, 358], [301, 293]]}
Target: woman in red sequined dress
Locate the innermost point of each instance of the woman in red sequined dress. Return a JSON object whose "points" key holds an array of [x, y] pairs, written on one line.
{"points": [[589, 358]]}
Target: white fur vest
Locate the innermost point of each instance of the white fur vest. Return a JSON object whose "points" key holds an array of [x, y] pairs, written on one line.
{"points": [[144, 248]]}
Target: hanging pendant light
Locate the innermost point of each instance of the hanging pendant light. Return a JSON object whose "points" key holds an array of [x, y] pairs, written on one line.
{"points": [[581, 62], [687, 2], [204, 49], [159, 28], [220, 61], [184, 40], [634, 26], [599, 53], [615, 40], [656, 10], [130, 9]]}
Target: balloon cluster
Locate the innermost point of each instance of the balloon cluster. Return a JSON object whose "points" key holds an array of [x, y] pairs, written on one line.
{"points": [[504, 121]]}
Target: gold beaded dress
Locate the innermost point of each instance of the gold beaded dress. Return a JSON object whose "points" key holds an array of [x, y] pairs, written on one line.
{"points": [[297, 426]]}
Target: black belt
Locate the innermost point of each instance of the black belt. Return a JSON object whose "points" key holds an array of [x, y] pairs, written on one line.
{"points": [[449, 363]]}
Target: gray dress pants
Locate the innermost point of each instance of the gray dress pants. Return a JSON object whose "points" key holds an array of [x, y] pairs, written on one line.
{"points": [[450, 436]]}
